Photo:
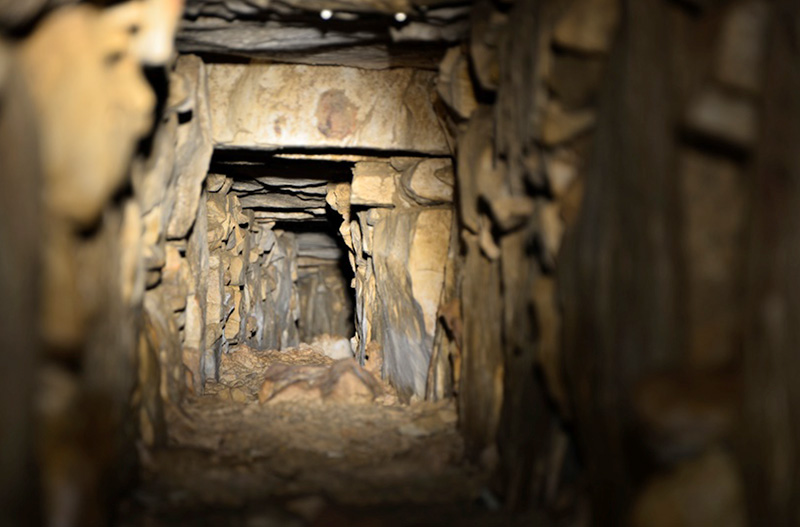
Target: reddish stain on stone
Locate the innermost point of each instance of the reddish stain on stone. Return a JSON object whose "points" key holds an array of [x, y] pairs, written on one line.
{"points": [[278, 125], [336, 115]]}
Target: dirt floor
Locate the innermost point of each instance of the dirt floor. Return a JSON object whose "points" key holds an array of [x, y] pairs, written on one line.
{"points": [[328, 444]]}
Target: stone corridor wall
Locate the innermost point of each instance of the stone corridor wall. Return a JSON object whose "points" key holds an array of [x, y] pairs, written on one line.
{"points": [[582, 225], [397, 221]]}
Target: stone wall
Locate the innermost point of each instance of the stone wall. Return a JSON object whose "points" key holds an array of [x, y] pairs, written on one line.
{"points": [[397, 216], [581, 226]]}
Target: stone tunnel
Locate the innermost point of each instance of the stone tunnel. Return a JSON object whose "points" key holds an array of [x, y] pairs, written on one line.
{"points": [[399, 262]]}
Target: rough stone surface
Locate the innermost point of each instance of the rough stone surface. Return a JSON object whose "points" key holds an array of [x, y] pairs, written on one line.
{"points": [[322, 107], [426, 262], [193, 150], [430, 181], [373, 185], [90, 116]]}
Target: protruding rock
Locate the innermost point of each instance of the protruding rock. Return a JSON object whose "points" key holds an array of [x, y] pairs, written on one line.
{"points": [[430, 181], [373, 185], [194, 150], [90, 116], [454, 84]]}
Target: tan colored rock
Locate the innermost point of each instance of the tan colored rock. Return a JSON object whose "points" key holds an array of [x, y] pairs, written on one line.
{"points": [[175, 278], [195, 324], [214, 300], [373, 358], [561, 125], [454, 84], [510, 212], [552, 229], [373, 185], [237, 270], [214, 182], [193, 150], [350, 388], [323, 106], [280, 200], [588, 25], [408, 244], [427, 258], [131, 271], [430, 181], [234, 322], [219, 222], [562, 170], [90, 114], [239, 395]]}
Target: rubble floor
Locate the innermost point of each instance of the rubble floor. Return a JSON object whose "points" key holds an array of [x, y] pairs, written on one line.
{"points": [[231, 460]]}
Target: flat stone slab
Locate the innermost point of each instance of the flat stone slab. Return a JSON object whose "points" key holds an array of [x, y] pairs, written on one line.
{"points": [[280, 106]]}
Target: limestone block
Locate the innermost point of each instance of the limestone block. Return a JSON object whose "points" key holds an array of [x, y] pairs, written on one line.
{"points": [[373, 184], [90, 116], [214, 300], [175, 279], [454, 84], [131, 270], [562, 170], [430, 181], [193, 341], [233, 324], [323, 106], [234, 208], [194, 149], [162, 334], [237, 270], [280, 200], [551, 229], [404, 338], [215, 182], [219, 222], [426, 261], [151, 177]]}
